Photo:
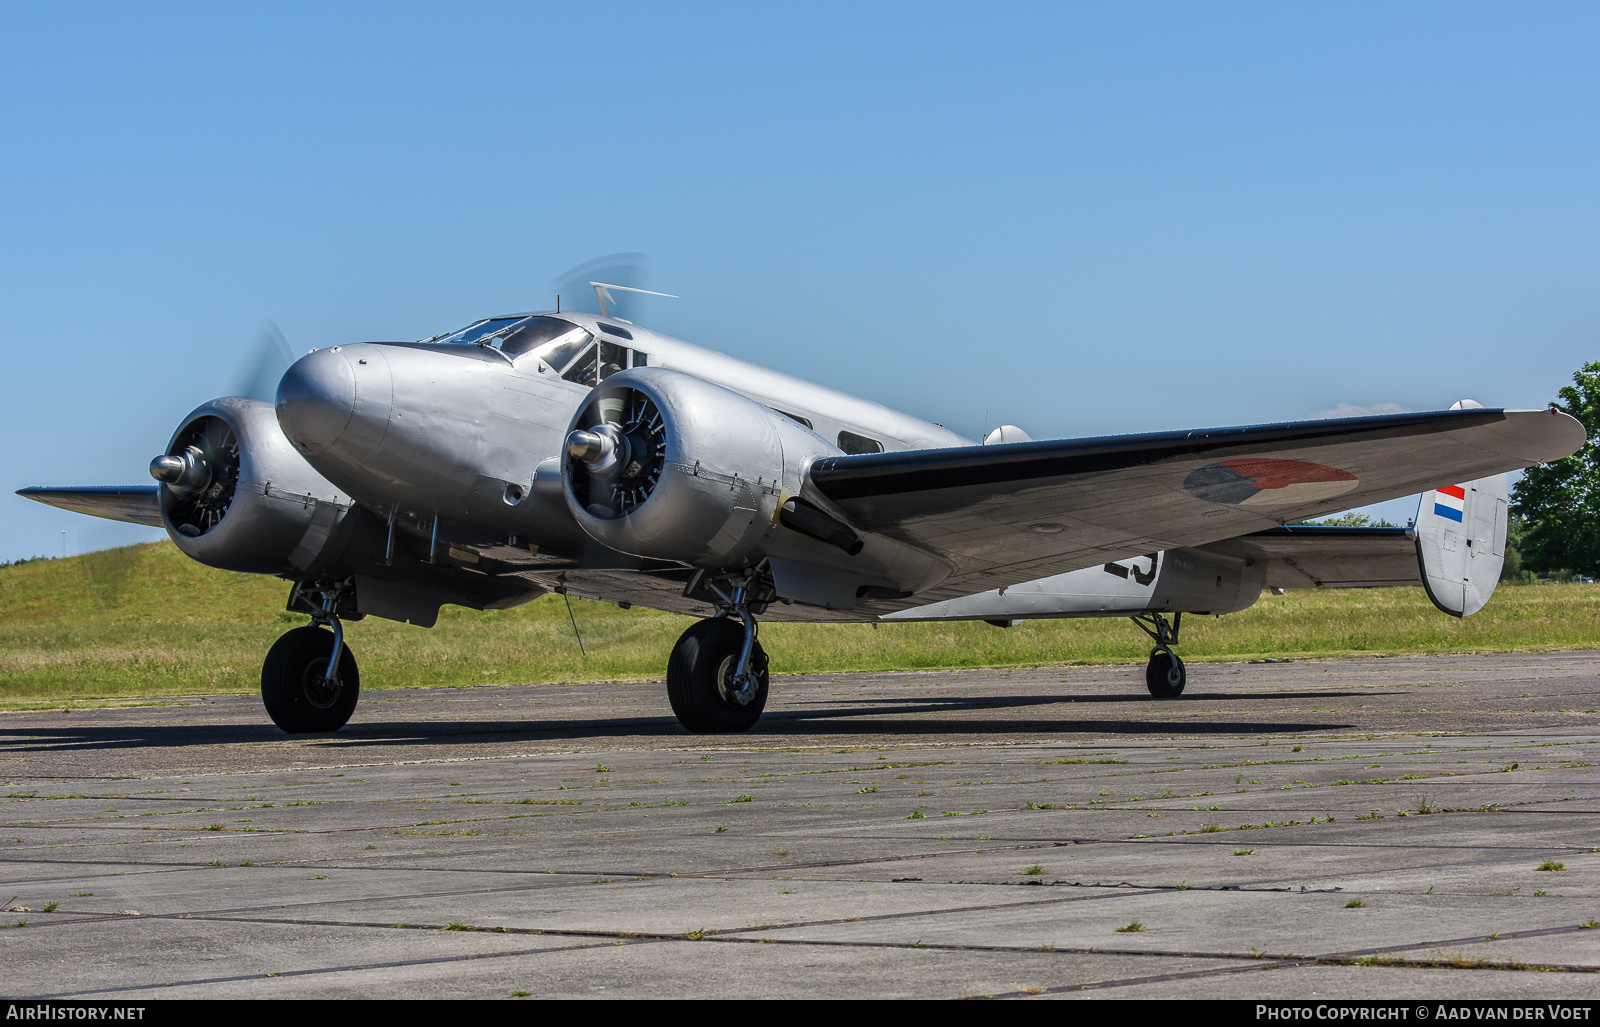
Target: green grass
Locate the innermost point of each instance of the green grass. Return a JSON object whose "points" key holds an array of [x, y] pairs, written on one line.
{"points": [[143, 621]]}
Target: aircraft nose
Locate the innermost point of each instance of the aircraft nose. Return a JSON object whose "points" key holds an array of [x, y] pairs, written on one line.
{"points": [[316, 399]]}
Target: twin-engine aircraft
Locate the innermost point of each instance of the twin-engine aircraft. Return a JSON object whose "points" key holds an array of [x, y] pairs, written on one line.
{"points": [[586, 455]]}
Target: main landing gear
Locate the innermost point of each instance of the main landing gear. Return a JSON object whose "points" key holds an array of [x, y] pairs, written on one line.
{"points": [[1164, 675], [302, 694], [717, 675]]}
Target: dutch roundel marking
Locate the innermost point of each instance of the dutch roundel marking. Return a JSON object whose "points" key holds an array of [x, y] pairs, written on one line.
{"points": [[1262, 482], [1450, 502]]}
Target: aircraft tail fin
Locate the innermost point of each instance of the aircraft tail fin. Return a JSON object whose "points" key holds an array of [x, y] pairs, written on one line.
{"points": [[1461, 543]]}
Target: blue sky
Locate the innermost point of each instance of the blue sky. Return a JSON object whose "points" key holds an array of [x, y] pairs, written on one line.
{"points": [[1080, 218]]}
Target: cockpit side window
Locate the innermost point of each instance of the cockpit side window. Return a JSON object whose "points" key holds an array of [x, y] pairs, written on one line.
{"points": [[534, 333], [562, 350], [853, 444], [583, 368]]}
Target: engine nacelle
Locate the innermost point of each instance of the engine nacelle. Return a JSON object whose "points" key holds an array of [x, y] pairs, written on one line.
{"points": [[664, 465], [236, 495]]}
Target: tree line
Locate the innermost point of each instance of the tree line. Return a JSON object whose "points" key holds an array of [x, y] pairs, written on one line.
{"points": [[1555, 507]]}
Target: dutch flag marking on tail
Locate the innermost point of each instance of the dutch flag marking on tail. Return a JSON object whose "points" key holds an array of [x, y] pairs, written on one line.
{"points": [[1450, 502]]}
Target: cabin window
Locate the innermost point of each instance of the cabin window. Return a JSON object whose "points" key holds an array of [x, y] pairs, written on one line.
{"points": [[853, 444], [613, 358], [587, 363]]}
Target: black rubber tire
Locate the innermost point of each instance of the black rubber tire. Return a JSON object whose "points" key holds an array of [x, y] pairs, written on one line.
{"points": [[706, 649], [289, 683], [1165, 676]]}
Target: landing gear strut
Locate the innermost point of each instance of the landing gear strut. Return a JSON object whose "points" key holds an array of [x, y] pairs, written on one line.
{"points": [[717, 675], [1164, 675], [309, 681]]}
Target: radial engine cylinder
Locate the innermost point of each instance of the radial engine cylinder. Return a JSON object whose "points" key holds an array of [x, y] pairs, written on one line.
{"points": [[664, 465], [236, 495]]}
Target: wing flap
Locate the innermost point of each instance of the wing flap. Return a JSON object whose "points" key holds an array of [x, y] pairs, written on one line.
{"points": [[135, 504], [1011, 513]]}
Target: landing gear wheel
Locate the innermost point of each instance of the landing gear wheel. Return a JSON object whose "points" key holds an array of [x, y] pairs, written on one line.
{"points": [[1164, 675], [293, 685], [699, 678]]}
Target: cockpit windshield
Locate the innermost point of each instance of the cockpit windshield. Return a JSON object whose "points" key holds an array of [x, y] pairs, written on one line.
{"points": [[554, 340], [568, 350], [481, 332]]}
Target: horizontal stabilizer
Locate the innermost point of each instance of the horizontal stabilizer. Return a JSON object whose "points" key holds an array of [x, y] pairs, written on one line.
{"points": [[135, 504], [1328, 556]]}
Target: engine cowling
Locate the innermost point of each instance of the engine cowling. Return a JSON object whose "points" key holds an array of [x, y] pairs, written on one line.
{"points": [[664, 465], [236, 495]]}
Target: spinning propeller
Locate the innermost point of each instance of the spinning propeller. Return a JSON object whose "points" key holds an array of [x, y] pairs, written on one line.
{"points": [[201, 468]]}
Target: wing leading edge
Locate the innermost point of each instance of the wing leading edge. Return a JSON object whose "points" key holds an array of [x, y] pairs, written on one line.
{"points": [[1011, 513], [136, 504]]}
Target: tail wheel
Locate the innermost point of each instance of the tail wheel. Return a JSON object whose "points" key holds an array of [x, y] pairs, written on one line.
{"points": [[698, 674], [1164, 676], [294, 687]]}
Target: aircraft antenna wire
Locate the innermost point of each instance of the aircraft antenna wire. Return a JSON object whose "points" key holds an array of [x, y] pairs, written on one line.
{"points": [[574, 620]]}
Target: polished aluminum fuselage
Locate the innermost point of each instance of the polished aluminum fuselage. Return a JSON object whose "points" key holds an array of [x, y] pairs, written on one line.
{"points": [[457, 447]]}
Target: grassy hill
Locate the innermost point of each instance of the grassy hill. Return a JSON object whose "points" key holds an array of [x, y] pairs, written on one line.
{"points": [[146, 621]]}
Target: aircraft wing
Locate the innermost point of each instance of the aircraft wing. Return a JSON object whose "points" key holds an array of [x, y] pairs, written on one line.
{"points": [[1327, 556], [1011, 513], [136, 504]]}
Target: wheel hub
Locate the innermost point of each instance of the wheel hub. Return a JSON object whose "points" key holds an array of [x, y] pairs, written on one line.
{"points": [[320, 690], [736, 689]]}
